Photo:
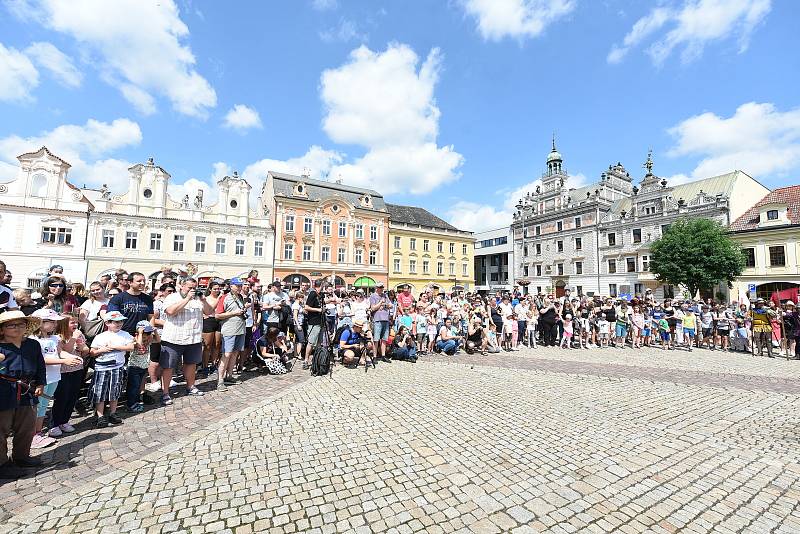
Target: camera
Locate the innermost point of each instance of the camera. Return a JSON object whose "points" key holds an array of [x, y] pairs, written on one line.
{"points": [[198, 293]]}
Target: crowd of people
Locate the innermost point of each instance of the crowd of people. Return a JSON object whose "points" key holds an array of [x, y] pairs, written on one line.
{"points": [[128, 341]]}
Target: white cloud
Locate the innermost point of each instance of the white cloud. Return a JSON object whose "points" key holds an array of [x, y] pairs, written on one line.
{"points": [[324, 5], [242, 118], [518, 19], [345, 31], [694, 24], [18, 76], [316, 161], [85, 147], [59, 64], [757, 139], [139, 48], [393, 114]]}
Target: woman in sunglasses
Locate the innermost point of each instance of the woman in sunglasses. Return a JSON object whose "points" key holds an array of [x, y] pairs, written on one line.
{"points": [[54, 292]]}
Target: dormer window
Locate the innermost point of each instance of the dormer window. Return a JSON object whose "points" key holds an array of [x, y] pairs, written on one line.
{"points": [[148, 193], [39, 185], [300, 190], [366, 201], [772, 215], [234, 204]]}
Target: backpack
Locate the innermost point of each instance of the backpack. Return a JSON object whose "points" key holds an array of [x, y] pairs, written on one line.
{"points": [[322, 358], [337, 336]]}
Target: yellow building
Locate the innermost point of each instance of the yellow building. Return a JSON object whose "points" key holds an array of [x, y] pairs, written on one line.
{"points": [[426, 251], [769, 234]]}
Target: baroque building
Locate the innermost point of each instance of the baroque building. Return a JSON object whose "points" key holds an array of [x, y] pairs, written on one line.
{"points": [[326, 230], [427, 252], [144, 228]]}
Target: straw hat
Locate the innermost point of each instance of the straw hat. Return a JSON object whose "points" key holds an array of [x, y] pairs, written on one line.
{"points": [[358, 323], [15, 315]]}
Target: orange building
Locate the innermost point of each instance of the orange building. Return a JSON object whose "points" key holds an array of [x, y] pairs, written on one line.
{"points": [[327, 230]]}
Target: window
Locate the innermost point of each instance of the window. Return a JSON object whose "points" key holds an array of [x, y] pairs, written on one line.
{"points": [[308, 225], [560, 269], [177, 243], [538, 249], [131, 240], [325, 254], [452, 248], [288, 251], [577, 222], [464, 249], [664, 228], [39, 186], [412, 243], [630, 265], [425, 245], [772, 215], [612, 239], [464, 270], [340, 256], [373, 233], [578, 267], [495, 260], [239, 250], [560, 246], [538, 270], [638, 289], [60, 236], [777, 256], [494, 277], [359, 231], [412, 266], [326, 227], [649, 210], [637, 235], [452, 270], [538, 289], [289, 223], [306, 252], [439, 268], [220, 247], [342, 229], [258, 249], [559, 226], [749, 257], [426, 267], [579, 289], [200, 244], [578, 243], [373, 257], [525, 233], [645, 263], [439, 247], [396, 264], [524, 270], [537, 230], [612, 290], [359, 256], [525, 251], [396, 242], [107, 239], [612, 266], [155, 241]]}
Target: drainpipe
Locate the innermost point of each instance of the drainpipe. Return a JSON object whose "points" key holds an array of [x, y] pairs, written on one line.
{"points": [[597, 243]]}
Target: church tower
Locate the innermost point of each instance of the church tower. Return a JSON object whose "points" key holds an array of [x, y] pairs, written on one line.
{"points": [[555, 177]]}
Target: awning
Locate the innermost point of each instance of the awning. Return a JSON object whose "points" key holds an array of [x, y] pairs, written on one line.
{"points": [[364, 281]]}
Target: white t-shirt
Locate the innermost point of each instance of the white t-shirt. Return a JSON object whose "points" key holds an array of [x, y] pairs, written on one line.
{"points": [[186, 326], [114, 359], [298, 307], [7, 299], [271, 299], [505, 311], [93, 308], [50, 350], [359, 310]]}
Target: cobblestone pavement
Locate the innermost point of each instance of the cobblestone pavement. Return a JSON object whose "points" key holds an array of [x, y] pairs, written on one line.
{"points": [[531, 441]]}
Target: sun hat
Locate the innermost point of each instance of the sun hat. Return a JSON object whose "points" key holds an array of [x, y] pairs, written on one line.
{"points": [[114, 316], [47, 314], [789, 303], [358, 323], [33, 322], [145, 327]]}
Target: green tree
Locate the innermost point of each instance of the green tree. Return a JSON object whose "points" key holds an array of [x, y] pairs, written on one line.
{"points": [[696, 253]]}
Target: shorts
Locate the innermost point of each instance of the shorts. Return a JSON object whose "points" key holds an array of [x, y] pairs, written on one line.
{"points": [[724, 332], [106, 385], [211, 325], [172, 354], [689, 332], [646, 332], [707, 332], [232, 343], [299, 334], [314, 334], [381, 330], [49, 390], [621, 330], [664, 335], [155, 352]]}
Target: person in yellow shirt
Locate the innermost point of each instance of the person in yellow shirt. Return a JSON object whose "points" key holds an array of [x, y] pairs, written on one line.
{"points": [[689, 326]]}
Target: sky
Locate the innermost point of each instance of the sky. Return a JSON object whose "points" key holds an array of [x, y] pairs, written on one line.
{"points": [[446, 104]]}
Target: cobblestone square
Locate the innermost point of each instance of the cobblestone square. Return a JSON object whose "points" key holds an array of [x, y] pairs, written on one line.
{"points": [[532, 441]]}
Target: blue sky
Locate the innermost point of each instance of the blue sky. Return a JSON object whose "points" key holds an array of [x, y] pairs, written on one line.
{"points": [[447, 104]]}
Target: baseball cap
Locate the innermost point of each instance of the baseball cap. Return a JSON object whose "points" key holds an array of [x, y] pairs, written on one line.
{"points": [[145, 326], [114, 316], [236, 281], [379, 284], [47, 314]]}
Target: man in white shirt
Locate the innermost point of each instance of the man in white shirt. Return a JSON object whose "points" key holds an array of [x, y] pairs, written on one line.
{"points": [[521, 311], [271, 304], [7, 301]]}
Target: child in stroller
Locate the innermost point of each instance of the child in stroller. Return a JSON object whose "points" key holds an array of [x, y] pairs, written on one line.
{"points": [[274, 352]]}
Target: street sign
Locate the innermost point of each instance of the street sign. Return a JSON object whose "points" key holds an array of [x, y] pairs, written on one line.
{"points": [[751, 288]]}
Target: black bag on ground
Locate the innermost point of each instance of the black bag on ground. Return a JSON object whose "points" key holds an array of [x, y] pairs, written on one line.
{"points": [[321, 360]]}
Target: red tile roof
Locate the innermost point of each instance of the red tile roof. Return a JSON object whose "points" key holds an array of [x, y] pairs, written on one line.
{"points": [[790, 196]]}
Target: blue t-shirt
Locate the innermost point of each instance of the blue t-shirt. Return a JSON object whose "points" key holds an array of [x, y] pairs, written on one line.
{"points": [[135, 308], [25, 362], [350, 337]]}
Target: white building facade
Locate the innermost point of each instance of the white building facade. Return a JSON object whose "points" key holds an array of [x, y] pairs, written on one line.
{"points": [[43, 220], [144, 229], [494, 260]]}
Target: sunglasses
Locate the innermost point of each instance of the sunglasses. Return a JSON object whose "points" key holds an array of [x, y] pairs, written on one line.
{"points": [[15, 325], [55, 285]]}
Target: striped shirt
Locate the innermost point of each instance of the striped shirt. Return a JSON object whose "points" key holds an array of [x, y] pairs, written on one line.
{"points": [[186, 326]]}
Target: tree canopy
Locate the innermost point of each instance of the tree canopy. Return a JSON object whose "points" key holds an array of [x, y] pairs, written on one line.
{"points": [[696, 253]]}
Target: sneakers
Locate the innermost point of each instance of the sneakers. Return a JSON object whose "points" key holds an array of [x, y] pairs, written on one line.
{"points": [[101, 422], [166, 400], [222, 387], [153, 387], [40, 441], [194, 392], [136, 408], [67, 428], [231, 381], [114, 419], [55, 432]]}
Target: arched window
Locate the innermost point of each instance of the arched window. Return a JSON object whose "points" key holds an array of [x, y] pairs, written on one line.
{"points": [[39, 185]]}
